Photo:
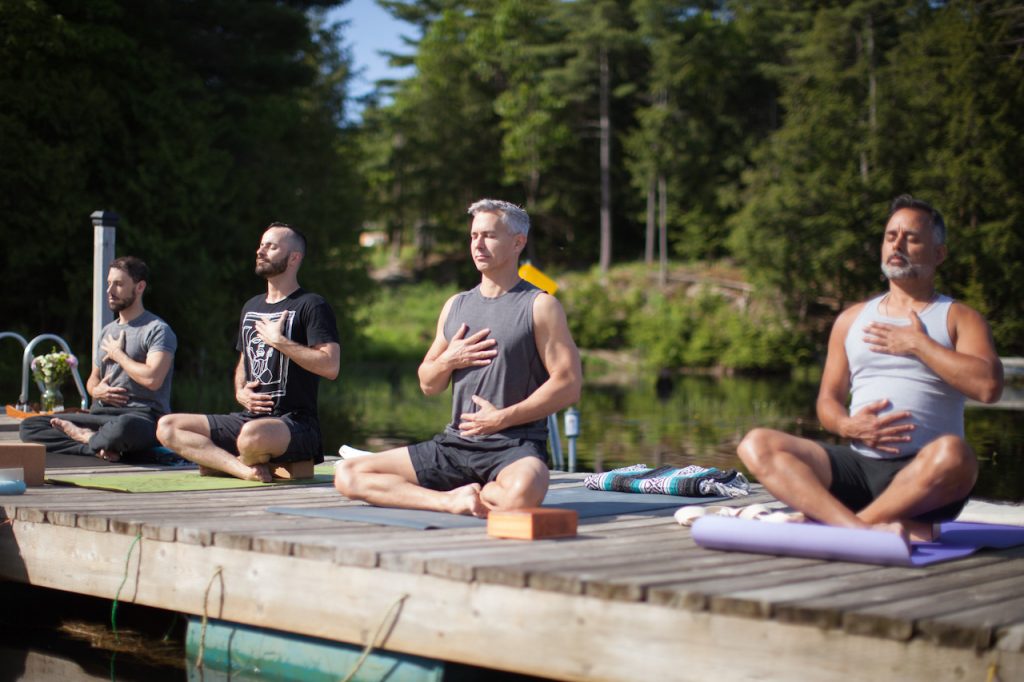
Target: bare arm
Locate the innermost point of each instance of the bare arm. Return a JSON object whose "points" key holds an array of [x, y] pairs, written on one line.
{"points": [[972, 366], [880, 432], [561, 358], [323, 359], [444, 356], [149, 374]]}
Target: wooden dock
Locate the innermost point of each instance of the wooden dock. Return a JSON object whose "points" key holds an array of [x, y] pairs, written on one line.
{"points": [[631, 598]]}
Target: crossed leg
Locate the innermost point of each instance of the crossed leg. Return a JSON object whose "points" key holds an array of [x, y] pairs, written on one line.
{"points": [[798, 472], [388, 479], [81, 434], [258, 441]]}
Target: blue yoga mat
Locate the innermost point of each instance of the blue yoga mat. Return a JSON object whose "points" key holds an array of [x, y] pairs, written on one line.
{"points": [[956, 539], [586, 503]]}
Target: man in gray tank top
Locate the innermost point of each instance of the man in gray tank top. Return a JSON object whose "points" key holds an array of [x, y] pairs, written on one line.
{"points": [[506, 349], [898, 370], [130, 381]]}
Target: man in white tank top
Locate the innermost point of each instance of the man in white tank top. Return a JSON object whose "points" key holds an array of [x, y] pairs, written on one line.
{"points": [[505, 348], [898, 370]]}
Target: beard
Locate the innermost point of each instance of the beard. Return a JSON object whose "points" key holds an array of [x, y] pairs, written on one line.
{"points": [[119, 304], [269, 268], [907, 270]]}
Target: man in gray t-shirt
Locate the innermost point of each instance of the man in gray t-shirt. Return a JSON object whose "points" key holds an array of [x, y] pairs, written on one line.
{"points": [[130, 381], [506, 350]]}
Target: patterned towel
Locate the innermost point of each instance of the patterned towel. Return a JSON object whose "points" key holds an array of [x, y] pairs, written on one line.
{"points": [[691, 481]]}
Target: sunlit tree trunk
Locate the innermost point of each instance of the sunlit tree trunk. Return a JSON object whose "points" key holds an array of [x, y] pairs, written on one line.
{"points": [[662, 230], [606, 162], [649, 236]]}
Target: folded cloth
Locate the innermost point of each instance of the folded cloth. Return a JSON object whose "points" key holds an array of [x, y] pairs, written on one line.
{"points": [[690, 481]]}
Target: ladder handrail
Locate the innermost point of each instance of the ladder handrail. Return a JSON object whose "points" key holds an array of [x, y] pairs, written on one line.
{"points": [[20, 339], [26, 367]]}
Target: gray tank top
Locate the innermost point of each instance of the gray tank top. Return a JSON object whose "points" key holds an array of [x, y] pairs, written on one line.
{"points": [[936, 408], [517, 370]]}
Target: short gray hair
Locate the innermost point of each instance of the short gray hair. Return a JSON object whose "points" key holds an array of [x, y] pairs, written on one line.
{"points": [[515, 219], [907, 201]]}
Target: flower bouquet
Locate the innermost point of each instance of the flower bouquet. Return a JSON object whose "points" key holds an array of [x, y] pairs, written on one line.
{"points": [[52, 370]]}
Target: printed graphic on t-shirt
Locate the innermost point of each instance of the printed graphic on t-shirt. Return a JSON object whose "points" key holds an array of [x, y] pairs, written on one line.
{"points": [[266, 365]]}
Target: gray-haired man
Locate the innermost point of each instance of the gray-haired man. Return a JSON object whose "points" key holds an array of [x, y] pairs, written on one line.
{"points": [[506, 349]]}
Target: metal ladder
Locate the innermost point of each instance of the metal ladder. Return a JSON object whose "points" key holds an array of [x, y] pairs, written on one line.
{"points": [[26, 366]]}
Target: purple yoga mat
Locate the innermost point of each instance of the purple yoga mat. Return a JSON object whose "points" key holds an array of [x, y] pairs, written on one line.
{"points": [[850, 544]]}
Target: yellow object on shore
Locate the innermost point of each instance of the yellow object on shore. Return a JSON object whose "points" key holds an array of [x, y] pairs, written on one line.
{"points": [[537, 278]]}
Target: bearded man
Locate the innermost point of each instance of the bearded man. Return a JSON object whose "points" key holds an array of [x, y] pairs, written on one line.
{"points": [[905, 360], [130, 382], [287, 341]]}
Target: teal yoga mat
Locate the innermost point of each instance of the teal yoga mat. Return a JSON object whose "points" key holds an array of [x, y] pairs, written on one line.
{"points": [[587, 503]]}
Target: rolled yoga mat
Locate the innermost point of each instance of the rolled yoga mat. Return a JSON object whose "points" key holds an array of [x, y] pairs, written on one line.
{"points": [[812, 540]]}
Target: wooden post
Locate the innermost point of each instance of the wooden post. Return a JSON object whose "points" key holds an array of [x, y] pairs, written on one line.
{"points": [[104, 231]]}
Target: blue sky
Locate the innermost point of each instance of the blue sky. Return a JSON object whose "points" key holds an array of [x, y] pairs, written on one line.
{"points": [[370, 30]]}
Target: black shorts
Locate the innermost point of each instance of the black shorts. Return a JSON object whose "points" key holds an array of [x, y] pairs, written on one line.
{"points": [[447, 461], [858, 480], [303, 445]]}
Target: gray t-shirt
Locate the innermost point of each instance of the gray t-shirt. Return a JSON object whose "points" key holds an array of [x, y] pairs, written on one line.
{"points": [[935, 407], [145, 334], [514, 374]]}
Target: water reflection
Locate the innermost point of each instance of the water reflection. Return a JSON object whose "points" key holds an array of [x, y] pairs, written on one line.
{"points": [[651, 419]]}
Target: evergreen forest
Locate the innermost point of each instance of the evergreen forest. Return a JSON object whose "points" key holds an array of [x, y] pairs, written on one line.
{"points": [[757, 142]]}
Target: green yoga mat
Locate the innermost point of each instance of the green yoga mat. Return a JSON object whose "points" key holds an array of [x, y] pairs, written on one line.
{"points": [[178, 481]]}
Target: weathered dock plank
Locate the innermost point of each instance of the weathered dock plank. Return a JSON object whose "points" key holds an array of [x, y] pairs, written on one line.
{"points": [[567, 635], [637, 580]]}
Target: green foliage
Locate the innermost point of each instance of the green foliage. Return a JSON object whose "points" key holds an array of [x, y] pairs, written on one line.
{"points": [[596, 319], [692, 325], [198, 123], [401, 321], [710, 331]]}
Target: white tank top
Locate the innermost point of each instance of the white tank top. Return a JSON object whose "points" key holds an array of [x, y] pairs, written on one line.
{"points": [[935, 407]]}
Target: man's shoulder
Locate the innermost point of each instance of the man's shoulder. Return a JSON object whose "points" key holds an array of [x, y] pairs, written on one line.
{"points": [[308, 298], [148, 318]]}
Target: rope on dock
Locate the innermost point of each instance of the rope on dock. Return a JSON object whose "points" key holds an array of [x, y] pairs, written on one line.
{"points": [[370, 645], [124, 579], [206, 615]]}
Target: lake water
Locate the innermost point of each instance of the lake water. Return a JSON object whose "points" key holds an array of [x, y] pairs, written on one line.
{"points": [[637, 419]]}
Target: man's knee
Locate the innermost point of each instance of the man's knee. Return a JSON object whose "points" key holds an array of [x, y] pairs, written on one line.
{"points": [[345, 478], [948, 460], [167, 428], [263, 437], [756, 449], [525, 483]]}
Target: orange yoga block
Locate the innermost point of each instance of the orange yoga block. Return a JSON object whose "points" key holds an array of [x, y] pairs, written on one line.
{"points": [[31, 457], [533, 523]]}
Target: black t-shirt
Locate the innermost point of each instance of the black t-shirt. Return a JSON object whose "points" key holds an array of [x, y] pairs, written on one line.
{"points": [[310, 323]]}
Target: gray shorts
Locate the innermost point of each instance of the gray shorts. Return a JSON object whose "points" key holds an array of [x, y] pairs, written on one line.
{"points": [[858, 480], [303, 445], [447, 461]]}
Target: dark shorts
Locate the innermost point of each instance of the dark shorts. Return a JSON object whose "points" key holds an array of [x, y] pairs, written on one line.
{"points": [[446, 462], [304, 443], [858, 480]]}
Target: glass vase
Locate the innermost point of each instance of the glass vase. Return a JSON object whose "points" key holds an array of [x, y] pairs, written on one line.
{"points": [[52, 400]]}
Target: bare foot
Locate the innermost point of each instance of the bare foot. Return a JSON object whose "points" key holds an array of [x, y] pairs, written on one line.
{"points": [[919, 531], [75, 433], [895, 527], [466, 500], [261, 473], [109, 455]]}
